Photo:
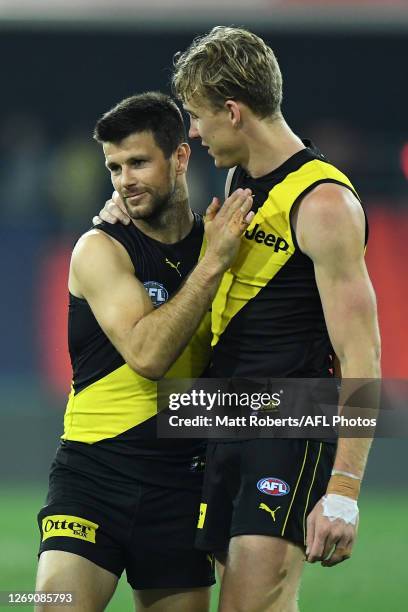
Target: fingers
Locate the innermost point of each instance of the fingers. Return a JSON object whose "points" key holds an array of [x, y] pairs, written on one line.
{"points": [[317, 546], [119, 203], [116, 209], [340, 552], [104, 215], [117, 199], [242, 217], [310, 533], [112, 212], [235, 209], [213, 209], [319, 537], [249, 217], [233, 203], [330, 544], [329, 547]]}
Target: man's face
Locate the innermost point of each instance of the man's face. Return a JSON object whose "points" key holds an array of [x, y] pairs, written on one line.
{"points": [[216, 131], [141, 174]]}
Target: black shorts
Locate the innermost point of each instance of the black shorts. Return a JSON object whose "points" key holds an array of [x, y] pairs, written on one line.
{"points": [[143, 528], [261, 487]]}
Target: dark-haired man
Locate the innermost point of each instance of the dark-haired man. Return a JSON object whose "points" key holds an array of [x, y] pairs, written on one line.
{"points": [[118, 497]]}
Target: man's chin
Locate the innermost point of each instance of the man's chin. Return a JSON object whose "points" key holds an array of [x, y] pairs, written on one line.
{"points": [[141, 215], [143, 211], [221, 163], [139, 210]]}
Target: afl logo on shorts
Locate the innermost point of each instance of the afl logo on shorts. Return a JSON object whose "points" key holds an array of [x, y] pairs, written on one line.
{"points": [[273, 486], [157, 293]]}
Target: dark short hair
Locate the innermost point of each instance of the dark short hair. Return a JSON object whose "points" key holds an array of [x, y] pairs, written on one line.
{"points": [[151, 111]]}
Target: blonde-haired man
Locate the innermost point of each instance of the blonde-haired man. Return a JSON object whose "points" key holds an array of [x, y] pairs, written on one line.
{"points": [[297, 295]]}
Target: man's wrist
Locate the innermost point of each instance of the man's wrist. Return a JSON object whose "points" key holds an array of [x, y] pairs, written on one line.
{"points": [[211, 266], [340, 507], [346, 485]]}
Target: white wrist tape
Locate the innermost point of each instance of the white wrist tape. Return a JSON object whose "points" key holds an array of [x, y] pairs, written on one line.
{"points": [[341, 473], [340, 507]]}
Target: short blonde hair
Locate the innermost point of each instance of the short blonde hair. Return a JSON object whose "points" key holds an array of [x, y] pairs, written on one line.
{"points": [[230, 63]]}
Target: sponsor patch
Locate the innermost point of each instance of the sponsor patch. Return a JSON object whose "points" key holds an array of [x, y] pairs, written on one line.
{"points": [[201, 518], [157, 292], [269, 240], [68, 526], [273, 486]]}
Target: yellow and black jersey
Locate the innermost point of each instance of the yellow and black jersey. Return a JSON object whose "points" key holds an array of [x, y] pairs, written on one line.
{"points": [[267, 315], [110, 406]]}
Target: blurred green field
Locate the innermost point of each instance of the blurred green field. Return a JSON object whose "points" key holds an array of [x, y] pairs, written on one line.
{"points": [[375, 580]]}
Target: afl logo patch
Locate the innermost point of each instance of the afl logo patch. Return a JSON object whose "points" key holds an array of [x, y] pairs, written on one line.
{"points": [[273, 486], [157, 293]]}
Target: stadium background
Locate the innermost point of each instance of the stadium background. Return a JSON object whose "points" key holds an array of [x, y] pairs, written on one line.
{"points": [[66, 63]]}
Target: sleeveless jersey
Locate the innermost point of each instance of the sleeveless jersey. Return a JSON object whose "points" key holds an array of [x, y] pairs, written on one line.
{"points": [[267, 315], [109, 402]]}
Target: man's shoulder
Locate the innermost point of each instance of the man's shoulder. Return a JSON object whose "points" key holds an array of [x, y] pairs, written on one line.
{"points": [[95, 250], [329, 201], [93, 240], [329, 216]]}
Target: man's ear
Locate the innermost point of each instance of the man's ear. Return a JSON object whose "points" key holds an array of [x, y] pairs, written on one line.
{"points": [[234, 112], [182, 156]]}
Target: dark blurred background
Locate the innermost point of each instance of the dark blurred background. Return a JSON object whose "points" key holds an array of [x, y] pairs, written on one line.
{"points": [[64, 64]]}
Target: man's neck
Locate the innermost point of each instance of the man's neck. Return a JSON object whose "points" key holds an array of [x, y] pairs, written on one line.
{"points": [[171, 226], [268, 144]]}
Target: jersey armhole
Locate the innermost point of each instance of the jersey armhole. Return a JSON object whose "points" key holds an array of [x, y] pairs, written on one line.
{"points": [[111, 231], [308, 190]]}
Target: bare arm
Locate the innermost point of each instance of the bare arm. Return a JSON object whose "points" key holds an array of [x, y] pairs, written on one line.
{"points": [[151, 340], [330, 229]]}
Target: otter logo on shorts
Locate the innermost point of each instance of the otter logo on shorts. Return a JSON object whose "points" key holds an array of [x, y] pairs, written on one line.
{"points": [[68, 526], [273, 486], [157, 292]]}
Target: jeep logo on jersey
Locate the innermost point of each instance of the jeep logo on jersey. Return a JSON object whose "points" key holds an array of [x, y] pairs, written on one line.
{"points": [[273, 486], [157, 293], [270, 240]]}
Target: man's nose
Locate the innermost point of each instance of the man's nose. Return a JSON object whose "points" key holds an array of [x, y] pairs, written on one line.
{"points": [[128, 177]]}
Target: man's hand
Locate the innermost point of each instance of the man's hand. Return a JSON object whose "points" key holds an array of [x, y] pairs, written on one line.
{"points": [[328, 541], [113, 211], [224, 226]]}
